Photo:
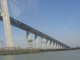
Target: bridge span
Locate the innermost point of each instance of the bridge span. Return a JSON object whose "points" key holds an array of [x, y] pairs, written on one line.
{"points": [[28, 29], [8, 21]]}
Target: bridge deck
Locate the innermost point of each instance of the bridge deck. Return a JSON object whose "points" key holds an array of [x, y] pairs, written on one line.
{"points": [[25, 27]]}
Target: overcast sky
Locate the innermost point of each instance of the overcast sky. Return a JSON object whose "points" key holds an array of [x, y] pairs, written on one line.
{"points": [[59, 19]]}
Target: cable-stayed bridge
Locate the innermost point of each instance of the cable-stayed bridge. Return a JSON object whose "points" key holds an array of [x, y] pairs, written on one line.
{"points": [[7, 21]]}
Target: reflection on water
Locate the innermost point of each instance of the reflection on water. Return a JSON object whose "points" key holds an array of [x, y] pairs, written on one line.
{"points": [[61, 55]]}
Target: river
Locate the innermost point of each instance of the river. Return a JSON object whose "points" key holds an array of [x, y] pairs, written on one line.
{"points": [[58, 55]]}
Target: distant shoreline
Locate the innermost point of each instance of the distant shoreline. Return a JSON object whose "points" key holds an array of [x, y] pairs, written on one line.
{"points": [[29, 51]]}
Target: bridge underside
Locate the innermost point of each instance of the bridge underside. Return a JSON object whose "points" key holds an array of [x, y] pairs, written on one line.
{"points": [[25, 27]]}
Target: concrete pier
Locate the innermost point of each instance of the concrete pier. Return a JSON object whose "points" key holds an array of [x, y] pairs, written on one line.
{"points": [[28, 37], [42, 42], [47, 44], [51, 44], [54, 45], [36, 41]]}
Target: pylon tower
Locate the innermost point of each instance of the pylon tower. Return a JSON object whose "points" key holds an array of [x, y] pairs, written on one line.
{"points": [[6, 22]]}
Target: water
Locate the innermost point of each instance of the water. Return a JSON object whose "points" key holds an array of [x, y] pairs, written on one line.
{"points": [[60, 55]]}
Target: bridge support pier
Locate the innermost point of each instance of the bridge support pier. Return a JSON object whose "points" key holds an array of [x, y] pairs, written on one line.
{"points": [[42, 41], [36, 40], [60, 47], [51, 45], [57, 46], [6, 21], [54, 45], [28, 37], [63, 47], [47, 43]]}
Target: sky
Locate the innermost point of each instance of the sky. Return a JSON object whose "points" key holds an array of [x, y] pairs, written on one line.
{"points": [[59, 19]]}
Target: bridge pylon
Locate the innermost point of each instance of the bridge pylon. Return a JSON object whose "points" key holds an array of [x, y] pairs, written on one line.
{"points": [[6, 22]]}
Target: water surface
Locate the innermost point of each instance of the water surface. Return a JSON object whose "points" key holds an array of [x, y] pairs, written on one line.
{"points": [[58, 55]]}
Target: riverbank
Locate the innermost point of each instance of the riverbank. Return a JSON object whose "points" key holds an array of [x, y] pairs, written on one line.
{"points": [[28, 51]]}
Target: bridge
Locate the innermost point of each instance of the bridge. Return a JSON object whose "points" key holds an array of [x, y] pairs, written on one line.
{"points": [[7, 20]]}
